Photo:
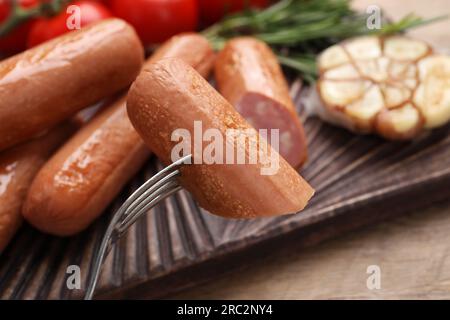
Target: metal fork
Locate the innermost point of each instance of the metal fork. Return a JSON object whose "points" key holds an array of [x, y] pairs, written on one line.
{"points": [[156, 189]]}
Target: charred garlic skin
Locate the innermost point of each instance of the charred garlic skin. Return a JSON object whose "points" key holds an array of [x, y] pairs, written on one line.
{"points": [[394, 86]]}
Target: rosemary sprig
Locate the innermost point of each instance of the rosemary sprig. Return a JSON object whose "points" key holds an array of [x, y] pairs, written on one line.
{"points": [[306, 64], [298, 30]]}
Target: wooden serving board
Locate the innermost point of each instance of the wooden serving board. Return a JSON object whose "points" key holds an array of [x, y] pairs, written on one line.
{"points": [[358, 179]]}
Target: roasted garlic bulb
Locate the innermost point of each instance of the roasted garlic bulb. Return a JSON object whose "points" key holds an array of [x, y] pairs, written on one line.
{"points": [[394, 86]]}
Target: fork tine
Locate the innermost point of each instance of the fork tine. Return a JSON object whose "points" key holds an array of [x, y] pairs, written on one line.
{"points": [[104, 249], [138, 203], [159, 195], [153, 180]]}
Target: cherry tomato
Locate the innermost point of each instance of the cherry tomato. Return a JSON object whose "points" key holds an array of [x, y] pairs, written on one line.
{"points": [[157, 20], [213, 10], [44, 29], [16, 40]]}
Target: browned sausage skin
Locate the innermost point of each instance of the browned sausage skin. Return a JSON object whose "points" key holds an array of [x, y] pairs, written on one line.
{"points": [[81, 179], [84, 176], [51, 82], [18, 167], [250, 78], [169, 95], [192, 48]]}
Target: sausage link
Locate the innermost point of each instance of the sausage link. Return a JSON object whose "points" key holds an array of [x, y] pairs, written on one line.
{"points": [[193, 48], [250, 78], [18, 167], [51, 82], [170, 95], [85, 175]]}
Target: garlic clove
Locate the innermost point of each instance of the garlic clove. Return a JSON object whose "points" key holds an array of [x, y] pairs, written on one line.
{"points": [[400, 70], [361, 48], [395, 94], [433, 99], [399, 123], [438, 65], [411, 83], [332, 57], [374, 69], [341, 93], [343, 72], [403, 48], [364, 110]]}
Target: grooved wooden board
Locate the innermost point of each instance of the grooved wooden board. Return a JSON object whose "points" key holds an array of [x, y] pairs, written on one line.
{"points": [[358, 179]]}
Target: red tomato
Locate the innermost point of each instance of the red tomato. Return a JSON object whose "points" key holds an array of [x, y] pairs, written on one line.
{"points": [[45, 29], [157, 20], [105, 2], [16, 40], [213, 10]]}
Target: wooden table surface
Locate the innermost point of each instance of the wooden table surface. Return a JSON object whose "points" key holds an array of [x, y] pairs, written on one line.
{"points": [[412, 251]]}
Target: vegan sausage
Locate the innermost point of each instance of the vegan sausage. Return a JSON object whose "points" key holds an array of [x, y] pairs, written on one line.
{"points": [[192, 48], [18, 167], [250, 78], [82, 178], [51, 82]]}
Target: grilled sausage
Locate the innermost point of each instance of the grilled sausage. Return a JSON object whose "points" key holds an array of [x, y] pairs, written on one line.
{"points": [[170, 95], [81, 179], [84, 176], [51, 82], [18, 167], [250, 78], [192, 48]]}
